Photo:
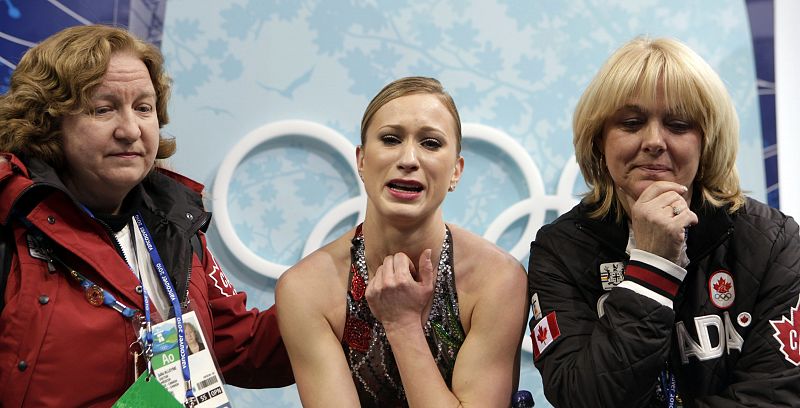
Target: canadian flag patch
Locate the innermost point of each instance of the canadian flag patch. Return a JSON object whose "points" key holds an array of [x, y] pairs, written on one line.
{"points": [[544, 333], [786, 333]]}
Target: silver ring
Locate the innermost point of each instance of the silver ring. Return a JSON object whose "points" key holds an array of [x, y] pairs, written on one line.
{"points": [[676, 210]]}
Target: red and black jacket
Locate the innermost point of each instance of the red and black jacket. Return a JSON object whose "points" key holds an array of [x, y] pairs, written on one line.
{"points": [[57, 349]]}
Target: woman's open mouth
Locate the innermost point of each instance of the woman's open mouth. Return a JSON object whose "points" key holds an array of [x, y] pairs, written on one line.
{"points": [[405, 189]]}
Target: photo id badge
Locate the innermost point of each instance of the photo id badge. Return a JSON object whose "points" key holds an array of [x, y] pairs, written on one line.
{"points": [[206, 381]]}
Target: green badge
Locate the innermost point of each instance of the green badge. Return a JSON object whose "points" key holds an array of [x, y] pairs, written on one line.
{"points": [[144, 393]]}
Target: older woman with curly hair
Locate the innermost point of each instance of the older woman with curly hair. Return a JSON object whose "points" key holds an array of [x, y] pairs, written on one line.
{"points": [[100, 242]]}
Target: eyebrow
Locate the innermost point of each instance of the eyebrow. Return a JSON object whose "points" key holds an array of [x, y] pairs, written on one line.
{"points": [[433, 129], [112, 96], [425, 128], [632, 107], [670, 113]]}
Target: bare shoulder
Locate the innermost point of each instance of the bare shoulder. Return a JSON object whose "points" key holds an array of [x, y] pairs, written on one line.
{"points": [[477, 251], [482, 263], [318, 276]]}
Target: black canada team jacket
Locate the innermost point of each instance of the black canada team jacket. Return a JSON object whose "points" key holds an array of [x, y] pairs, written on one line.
{"points": [[609, 328]]}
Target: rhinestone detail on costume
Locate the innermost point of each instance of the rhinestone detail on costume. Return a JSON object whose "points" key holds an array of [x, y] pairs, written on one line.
{"points": [[368, 352], [358, 285]]}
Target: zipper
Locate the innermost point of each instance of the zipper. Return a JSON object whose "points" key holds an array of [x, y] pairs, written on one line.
{"points": [[719, 242], [114, 239], [195, 228]]}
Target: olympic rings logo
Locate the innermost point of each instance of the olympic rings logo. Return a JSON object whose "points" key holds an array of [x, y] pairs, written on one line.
{"points": [[723, 296], [534, 207]]}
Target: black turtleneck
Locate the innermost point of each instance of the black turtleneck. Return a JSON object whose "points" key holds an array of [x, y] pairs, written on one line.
{"points": [[131, 204]]}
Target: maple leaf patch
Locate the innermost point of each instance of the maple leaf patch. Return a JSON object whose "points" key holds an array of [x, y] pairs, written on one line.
{"points": [[787, 333], [542, 336], [721, 291], [722, 286]]}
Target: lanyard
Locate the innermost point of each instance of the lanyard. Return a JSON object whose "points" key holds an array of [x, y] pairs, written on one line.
{"points": [[97, 295], [147, 347], [176, 305], [669, 387], [94, 293]]}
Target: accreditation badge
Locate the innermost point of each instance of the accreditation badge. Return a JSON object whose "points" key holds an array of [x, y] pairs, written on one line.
{"points": [[206, 380]]}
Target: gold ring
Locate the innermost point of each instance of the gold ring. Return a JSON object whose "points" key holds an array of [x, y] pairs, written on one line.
{"points": [[676, 210]]}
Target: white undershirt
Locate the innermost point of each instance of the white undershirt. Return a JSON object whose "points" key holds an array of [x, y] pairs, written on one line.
{"points": [[683, 258], [142, 267]]}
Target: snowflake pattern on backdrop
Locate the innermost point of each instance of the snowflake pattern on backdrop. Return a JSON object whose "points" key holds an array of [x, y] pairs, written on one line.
{"points": [[516, 65]]}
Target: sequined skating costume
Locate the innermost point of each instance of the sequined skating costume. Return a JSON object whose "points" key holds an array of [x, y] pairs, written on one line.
{"points": [[368, 353]]}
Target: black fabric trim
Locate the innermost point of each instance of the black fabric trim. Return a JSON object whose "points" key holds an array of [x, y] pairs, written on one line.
{"points": [[6, 254], [131, 205]]}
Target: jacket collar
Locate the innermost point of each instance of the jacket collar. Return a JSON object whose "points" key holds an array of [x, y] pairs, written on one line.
{"points": [[714, 223], [164, 193], [607, 231], [171, 199], [171, 208], [25, 183]]}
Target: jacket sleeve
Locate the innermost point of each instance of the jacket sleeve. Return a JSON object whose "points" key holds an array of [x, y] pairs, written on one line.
{"points": [[247, 343], [767, 372], [608, 361]]}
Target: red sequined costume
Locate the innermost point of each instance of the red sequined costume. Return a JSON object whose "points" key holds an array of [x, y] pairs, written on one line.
{"points": [[368, 352]]}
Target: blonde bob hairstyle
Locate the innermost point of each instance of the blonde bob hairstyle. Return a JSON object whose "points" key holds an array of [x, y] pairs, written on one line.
{"points": [[57, 77], [411, 86], [691, 89]]}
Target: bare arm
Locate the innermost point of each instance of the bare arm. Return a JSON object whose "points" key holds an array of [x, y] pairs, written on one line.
{"points": [[320, 368], [486, 368]]}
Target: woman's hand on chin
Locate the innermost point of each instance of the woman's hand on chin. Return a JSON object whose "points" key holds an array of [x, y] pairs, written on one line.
{"points": [[659, 219], [398, 294]]}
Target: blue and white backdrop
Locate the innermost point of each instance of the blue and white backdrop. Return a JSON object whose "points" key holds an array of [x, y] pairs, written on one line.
{"points": [[268, 97]]}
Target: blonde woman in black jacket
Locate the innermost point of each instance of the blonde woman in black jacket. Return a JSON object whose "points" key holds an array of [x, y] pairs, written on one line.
{"points": [[665, 286]]}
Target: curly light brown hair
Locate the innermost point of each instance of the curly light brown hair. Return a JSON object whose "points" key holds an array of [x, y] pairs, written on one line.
{"points": [[691, 88], [57, 78]]}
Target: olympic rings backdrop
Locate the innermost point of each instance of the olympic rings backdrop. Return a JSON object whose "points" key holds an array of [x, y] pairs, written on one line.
{"points": [[268, 97]]}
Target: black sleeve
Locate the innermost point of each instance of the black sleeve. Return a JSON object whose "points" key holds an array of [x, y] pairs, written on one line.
{"points": [[767, 373], [609, 361]]}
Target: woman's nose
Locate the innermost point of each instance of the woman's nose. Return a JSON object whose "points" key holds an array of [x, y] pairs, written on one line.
{"points": [[408, 158], [127, 127], [653, 141]]}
